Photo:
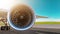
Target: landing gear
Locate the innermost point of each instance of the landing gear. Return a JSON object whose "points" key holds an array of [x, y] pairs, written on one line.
{"points": [[6, 28]]}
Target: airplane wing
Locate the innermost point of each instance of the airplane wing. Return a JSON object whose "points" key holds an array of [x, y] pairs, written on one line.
{"points": [[5, 14], [41, 16]]}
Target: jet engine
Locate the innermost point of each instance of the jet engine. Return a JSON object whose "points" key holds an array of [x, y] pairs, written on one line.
{"points": [[21, 17]]}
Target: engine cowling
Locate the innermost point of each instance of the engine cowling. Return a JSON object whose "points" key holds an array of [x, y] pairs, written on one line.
{"points": [[21, 17]]}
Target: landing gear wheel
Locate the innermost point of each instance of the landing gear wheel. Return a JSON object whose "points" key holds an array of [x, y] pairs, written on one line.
{"points": [[5, 28]]}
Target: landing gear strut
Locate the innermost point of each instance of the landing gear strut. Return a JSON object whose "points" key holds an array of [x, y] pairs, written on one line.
{"points": [[6, 27]]}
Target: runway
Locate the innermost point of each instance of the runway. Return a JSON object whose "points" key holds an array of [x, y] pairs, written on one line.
{"points": [[48, 27], [36, 29], [27, 32]]}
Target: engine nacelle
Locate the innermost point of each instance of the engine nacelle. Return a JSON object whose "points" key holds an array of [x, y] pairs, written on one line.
{"points": [[21, 17]]}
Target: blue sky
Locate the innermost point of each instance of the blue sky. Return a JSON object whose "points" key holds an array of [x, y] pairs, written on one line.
{"points": [[50, 8]]}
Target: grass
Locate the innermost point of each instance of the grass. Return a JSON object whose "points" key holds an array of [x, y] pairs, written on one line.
{"points": [[37, 23]]}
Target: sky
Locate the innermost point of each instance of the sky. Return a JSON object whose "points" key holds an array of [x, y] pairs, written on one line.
{"points": [[49, 8]]}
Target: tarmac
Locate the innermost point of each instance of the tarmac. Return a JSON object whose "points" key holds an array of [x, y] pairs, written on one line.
{"points": [[36, 29]]}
